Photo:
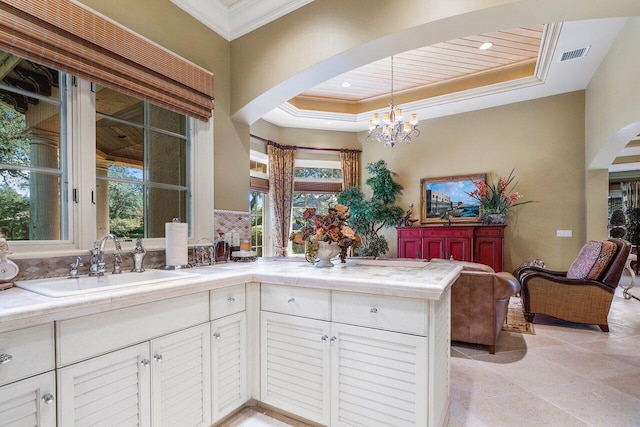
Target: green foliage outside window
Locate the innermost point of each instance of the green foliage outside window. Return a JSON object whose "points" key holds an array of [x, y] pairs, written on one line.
{"points": [[14, 187]]}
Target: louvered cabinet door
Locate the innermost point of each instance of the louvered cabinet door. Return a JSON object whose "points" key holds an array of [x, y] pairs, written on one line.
{"points": [[181, 378], [378, 378], [112, 389], [295, 365], [30, 402], [229, 364]]}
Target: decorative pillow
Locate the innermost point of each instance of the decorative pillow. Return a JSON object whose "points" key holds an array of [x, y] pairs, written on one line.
{"points": [[581, 267], [606, 255]]}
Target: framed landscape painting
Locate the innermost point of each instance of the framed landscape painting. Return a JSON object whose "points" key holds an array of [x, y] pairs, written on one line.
{"points": [[447, 198]]}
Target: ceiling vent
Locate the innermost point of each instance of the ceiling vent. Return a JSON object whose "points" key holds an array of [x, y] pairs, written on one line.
{"points": [[574, 54]]}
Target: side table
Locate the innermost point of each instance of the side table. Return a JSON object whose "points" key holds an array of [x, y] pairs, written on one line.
{"points": [[627, 265]]}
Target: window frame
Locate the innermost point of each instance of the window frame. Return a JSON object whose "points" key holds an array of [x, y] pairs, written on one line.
{"points": [[81, 176], [64, 165]]}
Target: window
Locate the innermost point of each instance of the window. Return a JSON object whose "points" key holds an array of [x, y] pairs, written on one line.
{"points": [[316, 185], [142, 158], [33, 161], [72, 169], [258, 195], [256, 208], [323, 174]]}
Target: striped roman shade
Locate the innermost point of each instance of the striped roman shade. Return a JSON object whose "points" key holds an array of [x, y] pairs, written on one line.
{"points": [[70, 38], [317, 187], [260, 185]]}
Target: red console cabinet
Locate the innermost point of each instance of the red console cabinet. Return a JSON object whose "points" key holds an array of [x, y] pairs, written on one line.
{"points": [[477, 243]]}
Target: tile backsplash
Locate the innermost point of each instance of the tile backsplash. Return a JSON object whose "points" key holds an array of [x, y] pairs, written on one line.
{"points": [[44, 268], [232, 221], [59, 266]]}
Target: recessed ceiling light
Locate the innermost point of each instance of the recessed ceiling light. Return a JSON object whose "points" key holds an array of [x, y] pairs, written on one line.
{"points": [[346, 84], [485, 46]]}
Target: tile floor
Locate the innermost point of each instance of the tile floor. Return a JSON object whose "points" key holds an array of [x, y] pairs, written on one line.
{"points": [[564, 375]]}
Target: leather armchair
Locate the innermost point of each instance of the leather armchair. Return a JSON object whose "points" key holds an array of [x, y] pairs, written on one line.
{"points": [[575, 300], [479, 303]]}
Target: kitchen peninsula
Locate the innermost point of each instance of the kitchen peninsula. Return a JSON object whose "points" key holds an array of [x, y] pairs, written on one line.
{"points": [[364, 343]]}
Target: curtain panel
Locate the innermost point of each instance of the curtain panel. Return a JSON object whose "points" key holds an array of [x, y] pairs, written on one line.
{"points": [[281, 174], [350, 161], [65, 36]]}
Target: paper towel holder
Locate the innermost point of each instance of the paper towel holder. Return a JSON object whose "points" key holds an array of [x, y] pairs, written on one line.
{"points": [[176, 267]]}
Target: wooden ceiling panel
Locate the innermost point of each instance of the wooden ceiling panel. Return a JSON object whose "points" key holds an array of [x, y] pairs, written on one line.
{"points": [[434, 65]]}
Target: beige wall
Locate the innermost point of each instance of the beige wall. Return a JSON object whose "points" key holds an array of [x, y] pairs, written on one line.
{"points": [[612, 116], [306, 138], [167, 25], [543, 140]]}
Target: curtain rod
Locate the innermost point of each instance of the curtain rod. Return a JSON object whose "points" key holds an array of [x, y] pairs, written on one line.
{"points": [[268, 141]]}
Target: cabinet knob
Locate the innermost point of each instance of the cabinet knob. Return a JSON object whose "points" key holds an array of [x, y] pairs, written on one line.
{"points": [[333, 339], [324, 338], [48, 398], [216, 335], [231, 300], [5, 358], [374, 310], [291, 300], [158, 358], [145, 362]]}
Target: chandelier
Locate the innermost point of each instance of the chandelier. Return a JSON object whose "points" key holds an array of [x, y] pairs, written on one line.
{"points": [[392, 130]]}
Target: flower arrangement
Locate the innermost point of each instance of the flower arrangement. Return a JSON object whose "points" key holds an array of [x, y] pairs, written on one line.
{"points": [[499, 197], [331, 228]]}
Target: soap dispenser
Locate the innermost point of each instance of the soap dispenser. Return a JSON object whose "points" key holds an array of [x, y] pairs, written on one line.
{"points": [[138, 254]]}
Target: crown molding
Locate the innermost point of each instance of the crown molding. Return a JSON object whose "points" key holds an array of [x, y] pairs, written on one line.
{"points": [[248, 15], [241, 17], [214, 14]]}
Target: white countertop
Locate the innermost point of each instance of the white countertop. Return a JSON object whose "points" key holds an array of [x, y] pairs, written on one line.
{"points": [[410, 279]]}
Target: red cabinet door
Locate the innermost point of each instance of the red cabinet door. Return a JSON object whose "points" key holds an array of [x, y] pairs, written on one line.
{"points": [[410, 247], [488, 247], [433, 247], [459, 248]]}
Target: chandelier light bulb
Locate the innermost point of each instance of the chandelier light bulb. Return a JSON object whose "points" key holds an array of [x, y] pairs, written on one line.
{"points": [[387, 118], [376, 119], [407, 127], [414, 119], [399, 114]]}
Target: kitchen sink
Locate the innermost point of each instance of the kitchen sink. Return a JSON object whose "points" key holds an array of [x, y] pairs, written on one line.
{"points": [[62, 287]]}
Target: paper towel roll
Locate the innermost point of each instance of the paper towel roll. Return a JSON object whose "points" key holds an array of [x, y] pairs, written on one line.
{"points": [[176, 241]]}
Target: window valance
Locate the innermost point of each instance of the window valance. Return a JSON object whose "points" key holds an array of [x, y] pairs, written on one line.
{"points": [[70, 38]]}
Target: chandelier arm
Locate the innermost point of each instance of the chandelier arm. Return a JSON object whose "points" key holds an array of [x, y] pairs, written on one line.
{"points": [[392, 130]]}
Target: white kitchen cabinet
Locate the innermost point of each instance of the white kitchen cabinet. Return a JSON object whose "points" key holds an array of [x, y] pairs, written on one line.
{"points": [[113, 389], [295, 365], [359, 368], [181, 378], [165, 381], [378, 378], [26, 352], [30, 402], [229, 364]]}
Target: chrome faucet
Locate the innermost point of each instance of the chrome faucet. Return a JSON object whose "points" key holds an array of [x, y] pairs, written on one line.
{"points": [[97, 256]]}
